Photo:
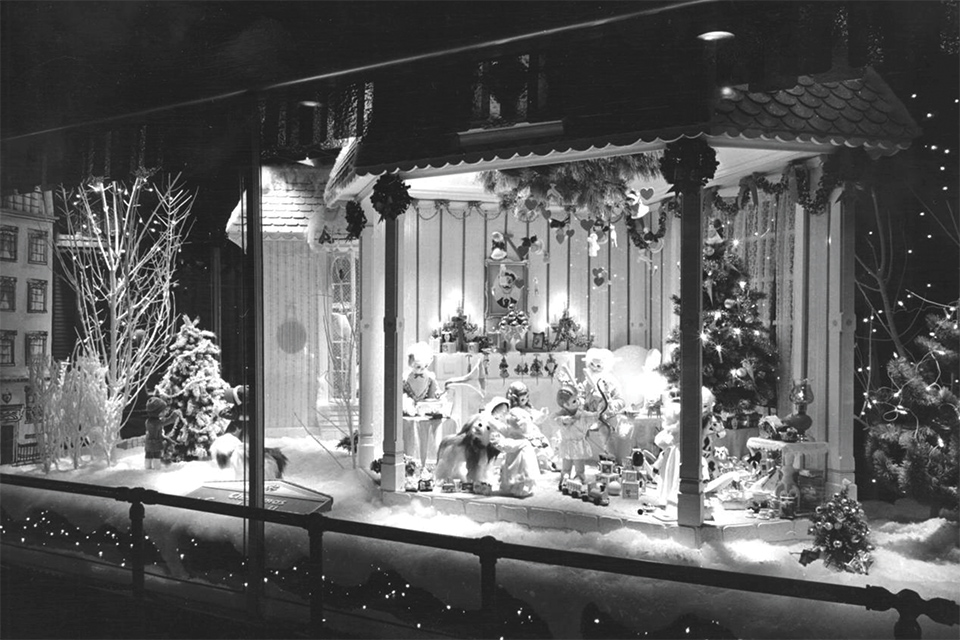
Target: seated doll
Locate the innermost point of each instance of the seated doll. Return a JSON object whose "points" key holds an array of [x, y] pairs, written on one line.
{"points": [[529, 420], [519, 467], [420, 384]]}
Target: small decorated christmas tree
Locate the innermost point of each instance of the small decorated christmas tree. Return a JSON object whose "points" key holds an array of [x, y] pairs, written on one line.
{"points": [[913, 440], [192, 385], [840, 535], [739, 360]]}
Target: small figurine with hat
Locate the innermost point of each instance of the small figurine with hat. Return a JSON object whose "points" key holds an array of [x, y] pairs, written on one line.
{"points": [[159, 417]]}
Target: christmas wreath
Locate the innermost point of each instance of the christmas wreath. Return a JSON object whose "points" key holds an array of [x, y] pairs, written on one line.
{"points": [[356, 220], [688, 164], [390, 196]]}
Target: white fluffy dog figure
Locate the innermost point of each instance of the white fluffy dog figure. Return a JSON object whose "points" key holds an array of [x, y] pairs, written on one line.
{"points": [[469, 455], [229, 451]]}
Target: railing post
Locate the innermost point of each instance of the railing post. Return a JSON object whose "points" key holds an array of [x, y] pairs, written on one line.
{"points": [[137, 561], [488, 583], [908, 605], [315, 531], [137, 513]]}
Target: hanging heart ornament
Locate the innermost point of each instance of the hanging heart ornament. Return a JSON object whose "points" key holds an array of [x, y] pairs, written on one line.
{"points": [[599, 276]]}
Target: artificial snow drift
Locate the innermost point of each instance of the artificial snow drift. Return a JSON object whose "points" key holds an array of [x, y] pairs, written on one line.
{"points": [[922, 555]]}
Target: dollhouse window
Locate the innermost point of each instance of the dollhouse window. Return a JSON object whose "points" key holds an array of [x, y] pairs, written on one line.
{"points": [[8, 344], [342, 342], [8, 243], [36, 345], [37, 248], [8, 293], [36, 296]]}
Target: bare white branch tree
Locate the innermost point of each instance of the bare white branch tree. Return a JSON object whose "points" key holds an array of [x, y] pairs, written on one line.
{"points": [[119, 254]]}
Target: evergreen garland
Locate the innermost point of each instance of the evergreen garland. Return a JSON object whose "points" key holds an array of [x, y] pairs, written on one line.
{"points": [[598, 185], [722, 206], [912, 442], [642, 237], [840, 535]]}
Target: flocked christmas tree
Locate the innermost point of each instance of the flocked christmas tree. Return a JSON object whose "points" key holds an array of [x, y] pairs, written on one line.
{"points": [[913, 440], [192, 385], [739, 359], [840, 535]]}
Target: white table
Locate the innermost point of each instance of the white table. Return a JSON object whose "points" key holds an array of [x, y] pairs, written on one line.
{"points": [[792, 457]]}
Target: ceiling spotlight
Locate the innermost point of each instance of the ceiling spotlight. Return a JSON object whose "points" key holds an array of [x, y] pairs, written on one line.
{"points": [[714, 35]]}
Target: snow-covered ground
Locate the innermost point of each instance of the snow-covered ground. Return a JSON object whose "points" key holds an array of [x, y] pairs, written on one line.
{"points": [[911, 552]]}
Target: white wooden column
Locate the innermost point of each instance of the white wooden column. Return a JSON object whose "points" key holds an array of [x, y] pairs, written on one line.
{"points": [[818, 282], [840, 346], [371, 340], [392, 467], [690, 509]]}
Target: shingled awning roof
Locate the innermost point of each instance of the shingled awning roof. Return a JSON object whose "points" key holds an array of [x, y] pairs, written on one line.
{"points": [[861, 112], [819, 114]]}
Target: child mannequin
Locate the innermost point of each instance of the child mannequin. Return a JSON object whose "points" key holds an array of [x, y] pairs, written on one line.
{"points": [[529, 420], [574, 423], [159, 416]]}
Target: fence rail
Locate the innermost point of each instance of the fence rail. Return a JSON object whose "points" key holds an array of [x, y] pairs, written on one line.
{"points": [[489, 550]]}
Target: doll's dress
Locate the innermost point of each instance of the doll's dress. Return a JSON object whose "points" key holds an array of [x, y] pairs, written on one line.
{"points": [[668, 486], [572, 430], [519, 470], [526, 418]]}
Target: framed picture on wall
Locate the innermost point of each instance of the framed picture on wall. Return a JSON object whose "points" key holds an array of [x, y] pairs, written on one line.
{"points": [[539, 341], [506, 287]]}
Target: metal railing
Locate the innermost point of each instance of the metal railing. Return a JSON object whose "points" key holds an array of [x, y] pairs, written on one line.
{"points": [[489, 550]]}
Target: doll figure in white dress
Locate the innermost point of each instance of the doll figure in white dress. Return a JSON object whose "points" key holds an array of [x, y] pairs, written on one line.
{"points": [[519, 469], [529, 421]]}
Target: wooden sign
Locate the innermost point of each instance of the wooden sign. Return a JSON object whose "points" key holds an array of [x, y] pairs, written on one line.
{"points": [[278, 495]]}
